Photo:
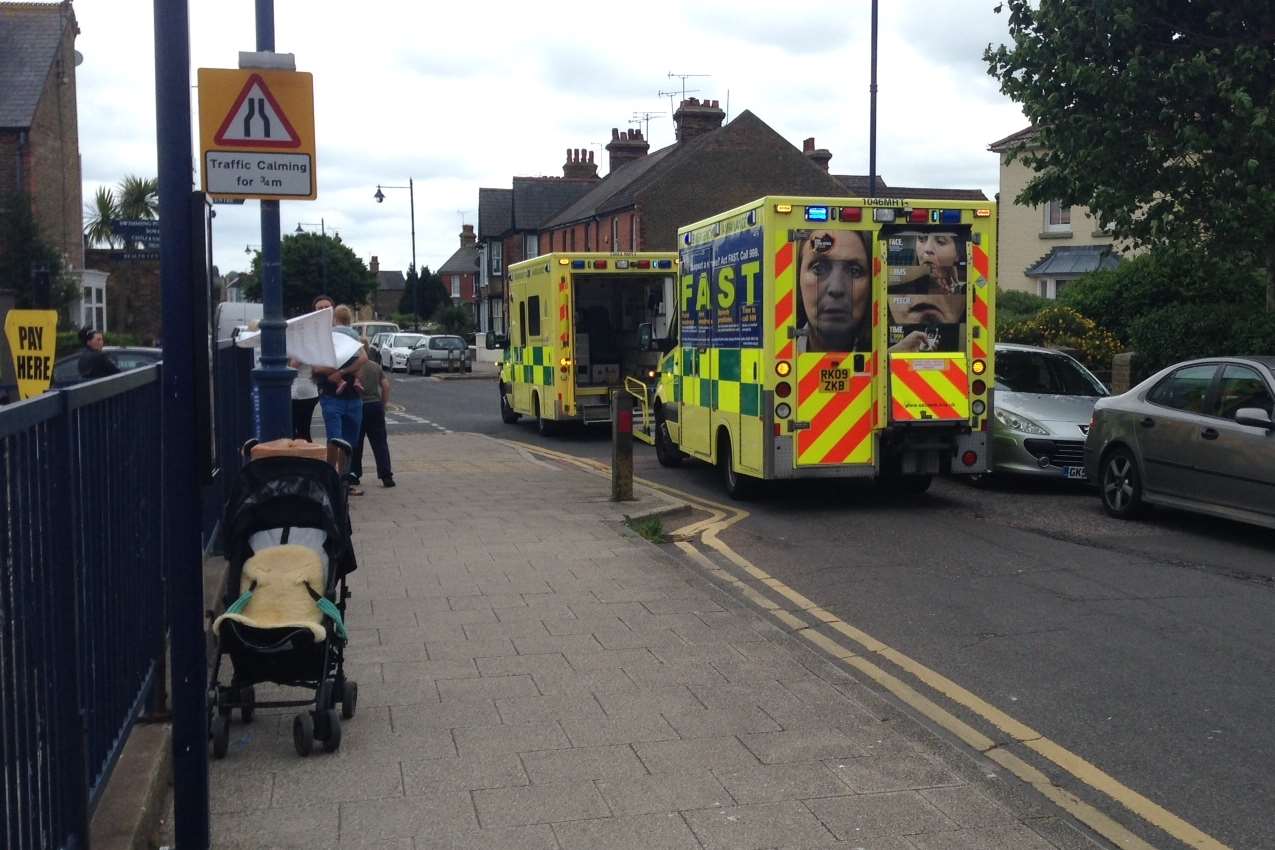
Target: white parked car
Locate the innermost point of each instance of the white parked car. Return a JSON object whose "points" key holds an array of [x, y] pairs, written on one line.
{"points": [[395, 350]]}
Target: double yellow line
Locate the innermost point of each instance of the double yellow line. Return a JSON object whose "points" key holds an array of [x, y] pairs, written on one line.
{"points": [[720, 517]]}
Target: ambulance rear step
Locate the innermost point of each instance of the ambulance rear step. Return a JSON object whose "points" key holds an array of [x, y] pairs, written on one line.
{"points": [[598, 412]]}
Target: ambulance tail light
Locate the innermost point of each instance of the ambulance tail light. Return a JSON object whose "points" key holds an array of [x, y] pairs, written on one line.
{"points": [[643, 264], [664, 264], [883, 214], [979, 367], [599, 264], [783, 410], [783, 208], [577, 264], [621, 264], [969, 458], [982, 213], [978, 407], [563, 261], [918, 216], [783, 368], [978, 387], [816, 213], [850, 214], [783, 389], [950, 217]]}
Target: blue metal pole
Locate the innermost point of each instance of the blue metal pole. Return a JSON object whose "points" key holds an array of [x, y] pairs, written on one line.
{"points": [[180, 512], [273, 377]]}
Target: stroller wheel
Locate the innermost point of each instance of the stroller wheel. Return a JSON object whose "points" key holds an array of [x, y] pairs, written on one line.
{"points": [[248, 703], [349, 699], [303, 733], [221, 735], [332, 742]]}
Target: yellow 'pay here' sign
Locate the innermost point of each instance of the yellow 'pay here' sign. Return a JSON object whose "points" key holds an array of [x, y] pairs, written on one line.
{"points": [[32, 336]]}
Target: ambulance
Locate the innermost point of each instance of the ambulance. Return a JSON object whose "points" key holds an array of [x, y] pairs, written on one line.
{"points": [[828, 337], [574, 319]]}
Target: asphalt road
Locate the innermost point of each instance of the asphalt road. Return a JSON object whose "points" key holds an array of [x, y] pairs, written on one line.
{"points": [[1147, 648]]}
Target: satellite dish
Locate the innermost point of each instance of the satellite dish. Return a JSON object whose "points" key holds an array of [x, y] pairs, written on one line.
{"points": [[79, 58]]}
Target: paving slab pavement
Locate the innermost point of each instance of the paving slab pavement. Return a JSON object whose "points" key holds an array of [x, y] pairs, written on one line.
{"points": [[532, 675]]}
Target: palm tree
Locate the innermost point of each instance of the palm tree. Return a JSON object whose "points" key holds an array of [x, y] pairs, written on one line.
{"points": [[139, 198], [102, 215]]}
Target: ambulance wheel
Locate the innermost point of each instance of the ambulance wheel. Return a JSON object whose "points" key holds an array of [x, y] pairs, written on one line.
{"points": [[303, 733], [220, 736], [349, 699], [247, 703], [507, 414], [546, 427], [739, 486], [666, 452], [332, 738]]}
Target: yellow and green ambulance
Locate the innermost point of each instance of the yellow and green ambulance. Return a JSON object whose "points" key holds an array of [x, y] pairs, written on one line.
{"points": [[827, 337]]}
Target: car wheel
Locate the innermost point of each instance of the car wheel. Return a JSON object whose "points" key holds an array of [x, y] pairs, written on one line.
{"points": [[1121, 484], [666, 452], [507, 414], [739, 486]]}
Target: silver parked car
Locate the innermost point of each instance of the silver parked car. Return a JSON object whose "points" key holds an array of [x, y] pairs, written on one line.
{"points": [[1196, 436], [394, 349], [441, 352], [1043, 402]]}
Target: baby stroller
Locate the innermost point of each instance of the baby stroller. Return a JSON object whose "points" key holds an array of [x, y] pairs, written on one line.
{"points": [[287, 541]]}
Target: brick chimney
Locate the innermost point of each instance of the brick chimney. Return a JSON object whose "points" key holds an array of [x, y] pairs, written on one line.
{"points": [[819, 156], [467, 236], [580, 165], [375, 265], [625, 147], [695, 118]]}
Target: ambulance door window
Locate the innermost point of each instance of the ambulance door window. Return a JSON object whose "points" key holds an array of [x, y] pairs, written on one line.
{"points": [[522, 324], [533, 307]]}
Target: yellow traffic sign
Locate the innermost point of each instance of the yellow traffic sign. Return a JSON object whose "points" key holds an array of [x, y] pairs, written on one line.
{"points": [[256, 134], [32, 336]]}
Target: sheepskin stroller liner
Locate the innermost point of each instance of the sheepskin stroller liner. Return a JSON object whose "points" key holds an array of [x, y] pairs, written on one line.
{"points": [[286, 501]]}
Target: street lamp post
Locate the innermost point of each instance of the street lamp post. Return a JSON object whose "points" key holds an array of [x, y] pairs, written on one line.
{"points": [[411, 195]]}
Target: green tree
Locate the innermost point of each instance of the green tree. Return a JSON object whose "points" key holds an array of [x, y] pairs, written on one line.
{"points": [[1015, 306], [1156, 114], [139, 198], [25, 257], [100, 217], [313, 264], [432, 292], [1062, 327], [454, 319]]}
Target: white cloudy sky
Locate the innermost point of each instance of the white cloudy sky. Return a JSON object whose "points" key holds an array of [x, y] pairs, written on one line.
{"points": [[459, 96]]}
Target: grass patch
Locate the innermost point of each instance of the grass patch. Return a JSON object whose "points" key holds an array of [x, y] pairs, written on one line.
{"points": [[650, 528]]}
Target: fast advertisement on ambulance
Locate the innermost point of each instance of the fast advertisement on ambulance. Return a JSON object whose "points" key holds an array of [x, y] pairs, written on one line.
{"points": [[721, 293]]}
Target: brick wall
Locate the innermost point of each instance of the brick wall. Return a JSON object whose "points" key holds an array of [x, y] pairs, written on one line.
{"points": [[132, 294], [54, 174], [8, 162]]}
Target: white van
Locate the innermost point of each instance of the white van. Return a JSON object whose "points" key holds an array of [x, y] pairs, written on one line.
{"points": [[236, 315]]}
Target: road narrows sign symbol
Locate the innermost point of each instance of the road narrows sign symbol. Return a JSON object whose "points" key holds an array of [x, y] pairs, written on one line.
{"points": [[256, 120]]}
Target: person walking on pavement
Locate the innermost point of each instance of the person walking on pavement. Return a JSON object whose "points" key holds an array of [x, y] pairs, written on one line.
{"points": [[340, 391], [305, 395], [93, 361], [376, 395]]}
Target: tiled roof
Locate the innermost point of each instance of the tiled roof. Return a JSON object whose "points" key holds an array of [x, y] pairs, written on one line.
{"points": [[464, 261], [933, 194], [537, 199], [388, 281], [1013, 140], [29, 37], [1071, 260], [495, 212], [857, 185]]}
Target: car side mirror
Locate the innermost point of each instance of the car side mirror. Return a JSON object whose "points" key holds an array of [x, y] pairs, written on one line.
{"points": [[1255, 417], [645, 336], [496, 341]]}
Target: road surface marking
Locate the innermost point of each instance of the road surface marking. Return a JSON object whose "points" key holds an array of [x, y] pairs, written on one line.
{"points": [[722, 517]]}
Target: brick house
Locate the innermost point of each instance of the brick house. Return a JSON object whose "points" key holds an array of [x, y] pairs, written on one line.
{"points": [[509, 223], [1043, 248], [460, 273], [709, 168], [390, 286]]}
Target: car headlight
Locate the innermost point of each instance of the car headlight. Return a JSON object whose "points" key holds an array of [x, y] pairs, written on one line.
{"points": [[1016, 422]]}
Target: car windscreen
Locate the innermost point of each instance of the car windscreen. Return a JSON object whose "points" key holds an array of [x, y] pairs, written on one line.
{"points": [[405, 340], [448, 343], [1044, 373]]}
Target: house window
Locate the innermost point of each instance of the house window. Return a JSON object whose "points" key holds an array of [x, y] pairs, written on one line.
{"points": [[455, 286], [1060, 286], [93, 308], [1057, 217], [1042, 288], [531, 245], [496, 252]]}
